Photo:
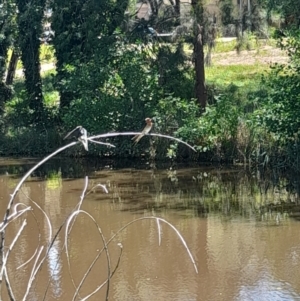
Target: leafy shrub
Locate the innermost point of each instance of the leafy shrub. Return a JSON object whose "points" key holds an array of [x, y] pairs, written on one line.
{"points": [[281, 106], [116, 93]]}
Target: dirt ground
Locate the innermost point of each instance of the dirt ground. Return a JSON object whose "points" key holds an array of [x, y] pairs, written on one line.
{"points": [[263, 55]]}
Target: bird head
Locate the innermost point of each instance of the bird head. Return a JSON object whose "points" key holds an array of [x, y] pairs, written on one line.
{"points": [[148, 120]]}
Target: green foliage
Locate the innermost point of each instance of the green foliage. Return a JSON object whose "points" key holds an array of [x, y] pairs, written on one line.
{"points": [[227, 9], [239, 75], [106, 83], [175, 74], [29, 141], [245, 42], [288, 9], [47, 53], [7, 31], [173, 112], [218, 125], [82, 29], [280, 109], [17, 112], [116, 91]]}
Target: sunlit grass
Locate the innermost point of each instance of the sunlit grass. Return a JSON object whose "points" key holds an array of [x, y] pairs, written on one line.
{"points": [[224, 46], [51, 99], [46, 55], [51, 95], [254, 44], [240, 75]]}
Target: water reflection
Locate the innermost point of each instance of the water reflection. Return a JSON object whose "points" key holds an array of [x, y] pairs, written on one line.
{"points": [[55, 268], [241, 229], [267, 288]]}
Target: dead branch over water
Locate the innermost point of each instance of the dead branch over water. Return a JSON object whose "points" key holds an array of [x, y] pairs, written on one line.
{"points": [[41, 253]]}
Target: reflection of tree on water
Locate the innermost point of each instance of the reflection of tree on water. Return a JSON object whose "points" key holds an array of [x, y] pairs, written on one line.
{"points": [[266, 288], [192, 192], [52, 205], [55, 267], [196, 192], [227, 195]]}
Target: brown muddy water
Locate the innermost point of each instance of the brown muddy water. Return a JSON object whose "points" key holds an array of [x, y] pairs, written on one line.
{"points": [[241, 228]]}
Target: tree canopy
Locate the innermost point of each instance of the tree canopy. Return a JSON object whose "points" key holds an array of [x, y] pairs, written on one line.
{"points": [[118, 62]]}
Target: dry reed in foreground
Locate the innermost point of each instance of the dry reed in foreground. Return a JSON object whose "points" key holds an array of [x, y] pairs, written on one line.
{"points": [[42, 250]]}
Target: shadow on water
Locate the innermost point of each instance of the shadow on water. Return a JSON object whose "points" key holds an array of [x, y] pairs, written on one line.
{"points": [[198, 191], [74, 167], [190, 190]]}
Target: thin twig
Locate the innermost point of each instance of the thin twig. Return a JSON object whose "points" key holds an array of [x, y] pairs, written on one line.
{"points": [[5, 257], [159, 231], [183, 242], [13, 195], [50, 231], [162, 220], [102, 186], [9, 288], [107, 135], [69, 224], [78, 206], [101, 143], [111, 275], [60, 228], [74, 214], [47, 219], [33, 273], [137, 220], [14, 216]]}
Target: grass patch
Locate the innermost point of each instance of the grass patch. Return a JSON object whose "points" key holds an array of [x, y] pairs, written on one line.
{"points": [[51, 99], [240, 75], [224, 46], [18, 104], [253, 43], [46, 55]]}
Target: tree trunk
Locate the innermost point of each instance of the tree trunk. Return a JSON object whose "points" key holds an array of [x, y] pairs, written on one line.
{"points": [[30, 28], [3, 54], [12, 67], [7, 27], [82, 43], [249, 15], [200, 87], [241, 13], [154, 8], [177, 11]]}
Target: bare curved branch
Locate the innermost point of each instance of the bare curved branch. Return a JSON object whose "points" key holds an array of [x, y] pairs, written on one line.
{"points": [[107, 135]]}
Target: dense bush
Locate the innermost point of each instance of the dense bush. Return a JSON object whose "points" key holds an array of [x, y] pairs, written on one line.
{"points": [[280, 107], [277, 115]]}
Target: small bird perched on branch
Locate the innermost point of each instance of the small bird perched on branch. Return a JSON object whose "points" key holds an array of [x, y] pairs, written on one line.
{"points": [[144, 132], [81, 134]]}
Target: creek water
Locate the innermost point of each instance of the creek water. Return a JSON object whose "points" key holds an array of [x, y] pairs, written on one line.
{"points": [[241, 227]]}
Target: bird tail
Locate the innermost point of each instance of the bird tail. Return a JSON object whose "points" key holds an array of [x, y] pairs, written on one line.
{"points": [[137, 138]]}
